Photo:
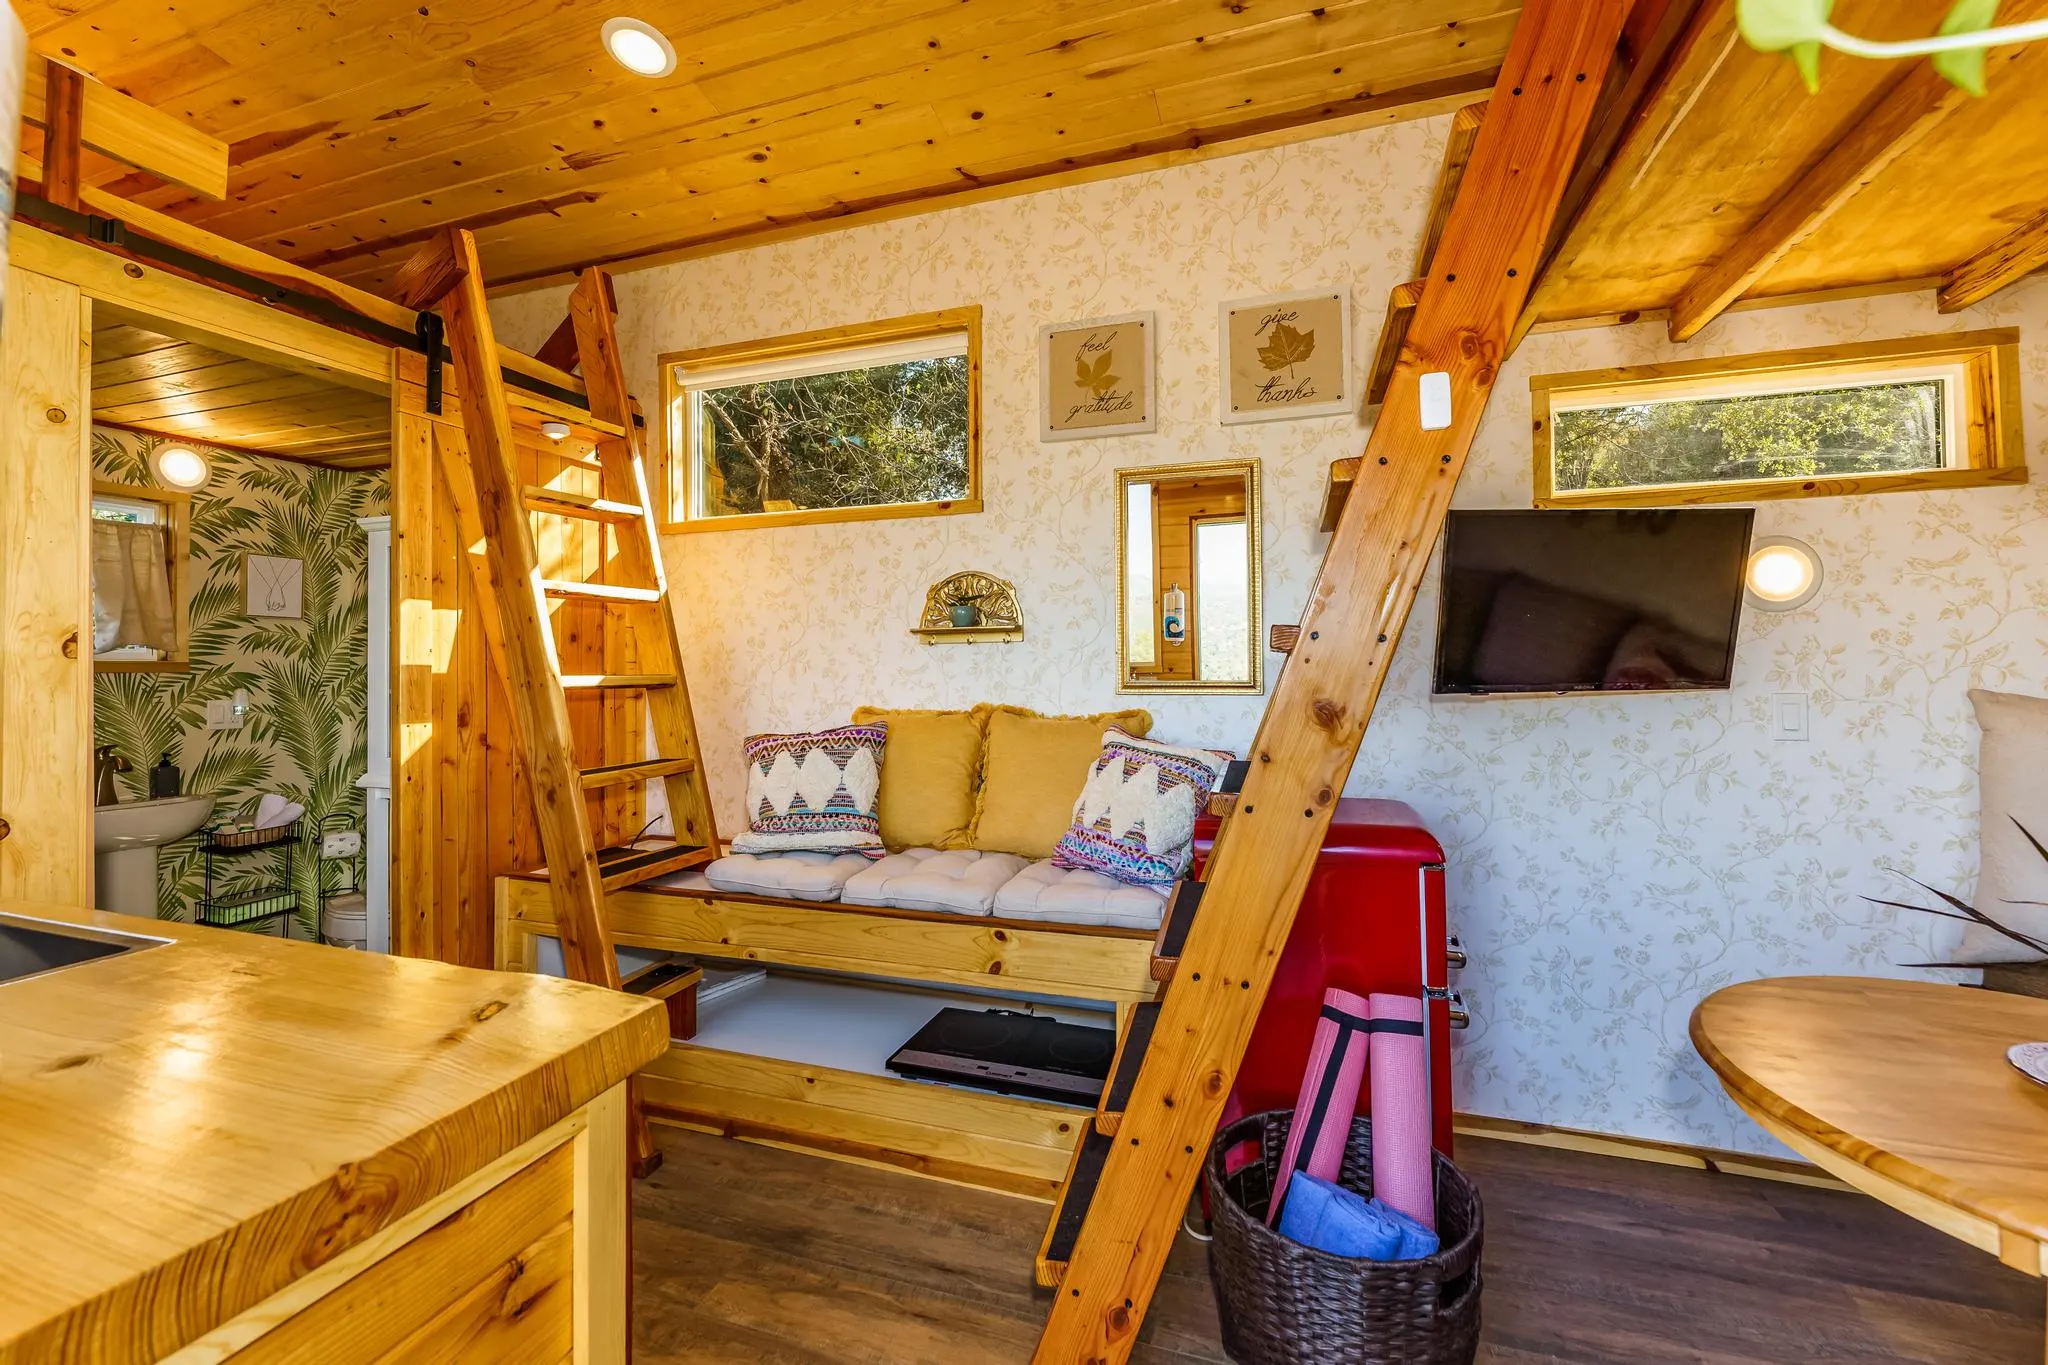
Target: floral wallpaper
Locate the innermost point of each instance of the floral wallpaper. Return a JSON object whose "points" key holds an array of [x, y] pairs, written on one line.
{"points": [[304, 735], [1612, 860]]}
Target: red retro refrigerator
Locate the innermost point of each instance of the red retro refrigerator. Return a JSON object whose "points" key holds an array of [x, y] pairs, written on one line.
{"points": [[1372, 919]]}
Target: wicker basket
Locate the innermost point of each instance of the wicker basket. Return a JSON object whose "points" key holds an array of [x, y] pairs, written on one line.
{"points": [[1282, 1303]]}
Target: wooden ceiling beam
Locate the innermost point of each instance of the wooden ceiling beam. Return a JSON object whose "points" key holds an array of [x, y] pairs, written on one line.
{"points": [[2005, 262], [124, 128], [1915, 106], [63, 128]]}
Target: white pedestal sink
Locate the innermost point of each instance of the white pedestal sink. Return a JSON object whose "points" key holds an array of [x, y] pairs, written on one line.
{"points": [[125, 839]]}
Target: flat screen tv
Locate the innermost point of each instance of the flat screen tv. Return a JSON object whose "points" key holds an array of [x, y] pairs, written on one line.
{"points": [[1592, 601]]}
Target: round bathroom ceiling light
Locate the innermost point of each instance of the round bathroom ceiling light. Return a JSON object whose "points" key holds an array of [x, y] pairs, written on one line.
{"points": [[555, 429], [1782, 573], [639, 46], [180, 467]]}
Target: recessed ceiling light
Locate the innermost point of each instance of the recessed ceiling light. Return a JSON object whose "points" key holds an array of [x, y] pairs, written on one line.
{"points": [[639, 47], [180, 468], [1783, 573]]}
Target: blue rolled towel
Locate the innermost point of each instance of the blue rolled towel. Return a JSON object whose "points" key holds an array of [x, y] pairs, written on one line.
{"points": [[1331, 1218]]}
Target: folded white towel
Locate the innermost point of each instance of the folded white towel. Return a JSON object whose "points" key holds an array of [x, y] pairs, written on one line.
{"points": [[274, 810]]}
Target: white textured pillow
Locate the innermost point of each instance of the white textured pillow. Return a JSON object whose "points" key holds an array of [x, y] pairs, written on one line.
{"points": [[2012, 791]]}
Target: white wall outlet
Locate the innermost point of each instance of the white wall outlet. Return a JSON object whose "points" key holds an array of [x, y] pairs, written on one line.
{"points": [[222, 715], [1788, 715], [342, 843]]}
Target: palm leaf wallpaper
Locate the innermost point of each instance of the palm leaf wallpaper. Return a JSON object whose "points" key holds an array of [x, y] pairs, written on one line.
{"points": [[304, 736]]}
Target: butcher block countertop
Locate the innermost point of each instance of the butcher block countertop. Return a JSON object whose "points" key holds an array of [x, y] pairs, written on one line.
{"points": [[186, 1129]]}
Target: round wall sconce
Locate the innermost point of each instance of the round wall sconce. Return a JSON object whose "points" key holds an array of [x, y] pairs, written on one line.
{"points": [[639, 46], [180, 467], [555, 430], [1782, 573]]}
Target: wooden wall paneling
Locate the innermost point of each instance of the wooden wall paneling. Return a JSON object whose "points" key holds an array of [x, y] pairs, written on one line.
{"points": [[46, 792], [1324, 697]]}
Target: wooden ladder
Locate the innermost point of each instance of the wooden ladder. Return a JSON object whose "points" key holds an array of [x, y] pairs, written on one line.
{"points": [[643, 655], [1135, 1166]]}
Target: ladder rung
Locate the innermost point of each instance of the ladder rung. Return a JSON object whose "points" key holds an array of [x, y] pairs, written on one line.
{"points": [[1075, 1196], [625, 774], [583, 682], [1221, 804], [1123, 1073], [602, 592], [1174, 927], [1283, 639], [628, 865], [580, 505]]}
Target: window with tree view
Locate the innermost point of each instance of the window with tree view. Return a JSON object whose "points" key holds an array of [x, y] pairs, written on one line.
{"points": [[1863, 417], [1804, 434], [851, 431]]}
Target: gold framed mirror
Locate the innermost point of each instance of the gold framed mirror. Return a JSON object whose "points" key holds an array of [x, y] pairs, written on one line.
{"points": [[1189, 579]]}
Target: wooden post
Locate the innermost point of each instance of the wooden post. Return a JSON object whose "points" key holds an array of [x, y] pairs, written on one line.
{"points": [[63, 130], [1312, 728]]}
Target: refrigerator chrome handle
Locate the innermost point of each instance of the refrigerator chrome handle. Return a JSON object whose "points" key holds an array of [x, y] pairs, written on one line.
{"points": [[1454, 953], [1460, 1016]]}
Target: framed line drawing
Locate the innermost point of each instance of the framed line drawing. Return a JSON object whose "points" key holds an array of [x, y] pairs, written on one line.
{"points": [[1286, 356], [272, 586], [1097, 378]]}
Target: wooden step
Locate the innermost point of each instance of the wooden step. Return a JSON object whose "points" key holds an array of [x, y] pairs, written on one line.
{"points": [[599, 592], [584, 682], [626, 774], [1123, 1072], [1064, 1229], [1174, 927], [581, 505], [629, 865]]}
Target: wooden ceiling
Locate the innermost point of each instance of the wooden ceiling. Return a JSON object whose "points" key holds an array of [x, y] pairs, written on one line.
{"points": [[1734, 177], [155, 383], [359, 128]]}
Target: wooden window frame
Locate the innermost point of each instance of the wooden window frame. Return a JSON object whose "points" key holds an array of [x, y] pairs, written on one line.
{"points": [[1989, 439], [676, 478], [177, 507]]}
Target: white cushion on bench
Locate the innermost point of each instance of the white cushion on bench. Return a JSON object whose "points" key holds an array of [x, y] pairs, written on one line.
{"points": [[1073, 895], [799, 875], [959, 881]]}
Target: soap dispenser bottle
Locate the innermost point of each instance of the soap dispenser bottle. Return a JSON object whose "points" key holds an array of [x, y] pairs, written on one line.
{"points": [[164, 778]]}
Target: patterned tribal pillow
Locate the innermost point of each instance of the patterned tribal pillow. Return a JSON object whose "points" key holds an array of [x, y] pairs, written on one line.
{"points": [[814, 791], [1135, 820]]}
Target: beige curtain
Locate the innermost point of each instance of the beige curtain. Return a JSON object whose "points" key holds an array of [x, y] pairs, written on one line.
{"points": [[131, 588]]}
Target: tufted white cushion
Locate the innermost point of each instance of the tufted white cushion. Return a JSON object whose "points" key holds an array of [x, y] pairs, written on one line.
{"points": [[1074, 895], [958, 881], [804, 876]]}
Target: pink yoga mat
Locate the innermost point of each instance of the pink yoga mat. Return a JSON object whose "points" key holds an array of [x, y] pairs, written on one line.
{"points": [[1402, 1166], [1329, 1094]]}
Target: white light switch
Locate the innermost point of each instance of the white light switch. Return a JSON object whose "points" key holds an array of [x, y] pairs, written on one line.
{"points": [[1788, 715], [1436, 400], [220, 714]]}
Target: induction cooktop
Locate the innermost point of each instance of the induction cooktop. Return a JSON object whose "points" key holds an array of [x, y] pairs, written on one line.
{"points": [[1011, 1052]]}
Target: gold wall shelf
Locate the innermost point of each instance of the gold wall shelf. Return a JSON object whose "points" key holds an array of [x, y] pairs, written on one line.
{"points": [[1000, 620]]}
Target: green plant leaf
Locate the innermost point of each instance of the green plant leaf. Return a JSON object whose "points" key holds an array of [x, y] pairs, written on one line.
{"points": [[1964, 69], [1774, 25]]}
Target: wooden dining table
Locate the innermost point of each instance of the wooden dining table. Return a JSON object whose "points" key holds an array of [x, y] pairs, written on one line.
{"points": [[1902, 1089]]}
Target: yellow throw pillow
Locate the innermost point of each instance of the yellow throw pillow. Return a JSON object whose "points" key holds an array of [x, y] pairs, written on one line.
{"points": [[929, 768], [1032, 770]]}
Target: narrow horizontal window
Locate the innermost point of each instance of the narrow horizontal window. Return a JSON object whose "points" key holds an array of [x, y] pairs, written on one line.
{"points": [[1889, 416], [858, 423]]}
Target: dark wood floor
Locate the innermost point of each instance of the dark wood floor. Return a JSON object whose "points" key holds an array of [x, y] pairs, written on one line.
{"points": [[749, 1254]]}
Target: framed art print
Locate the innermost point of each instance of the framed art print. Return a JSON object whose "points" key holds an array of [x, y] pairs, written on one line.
{"points": [[272, 586], [1287, 356], [1097, 378]]}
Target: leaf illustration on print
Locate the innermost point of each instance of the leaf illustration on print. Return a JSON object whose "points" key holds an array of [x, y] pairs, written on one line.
{"points": [[1095, 378], [1288, 348]]}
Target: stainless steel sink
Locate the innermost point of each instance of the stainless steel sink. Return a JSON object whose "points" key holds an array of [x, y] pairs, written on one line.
{"points": [[31, 947]]}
